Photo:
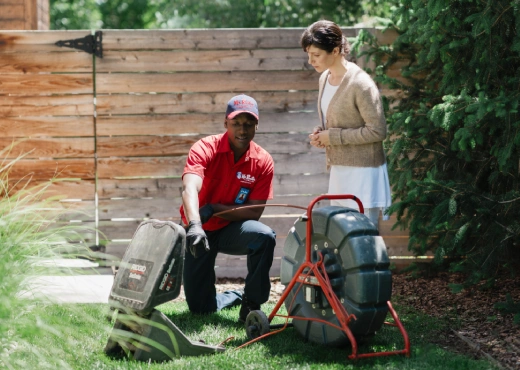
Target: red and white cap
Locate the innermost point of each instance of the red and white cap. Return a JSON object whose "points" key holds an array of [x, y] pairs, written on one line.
{"points": [[241, 104]]}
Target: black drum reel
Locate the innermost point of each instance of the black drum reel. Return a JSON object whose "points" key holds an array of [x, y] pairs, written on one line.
{"points": [[338, 283], [357, 265]]}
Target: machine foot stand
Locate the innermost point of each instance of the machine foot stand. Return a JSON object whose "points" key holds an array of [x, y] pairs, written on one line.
{"points": [[152, 338]]}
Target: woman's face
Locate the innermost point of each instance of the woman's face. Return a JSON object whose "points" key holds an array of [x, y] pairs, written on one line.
{"points": [[320, 59]]}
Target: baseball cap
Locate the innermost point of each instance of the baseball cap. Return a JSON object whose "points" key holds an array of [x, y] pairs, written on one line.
{"points": [[241, 104]]}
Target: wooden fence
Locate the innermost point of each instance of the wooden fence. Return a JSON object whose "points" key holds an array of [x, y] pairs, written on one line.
{"points": [[24, 14], [118, 127]]}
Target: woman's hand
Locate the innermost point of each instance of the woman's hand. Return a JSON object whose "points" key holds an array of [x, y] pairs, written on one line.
{"points": [[319, 138], [316, 129], [314, 141], [314, 137]]}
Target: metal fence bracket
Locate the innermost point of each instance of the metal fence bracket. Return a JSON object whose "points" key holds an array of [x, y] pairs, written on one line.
{"points": [[92, 44]]}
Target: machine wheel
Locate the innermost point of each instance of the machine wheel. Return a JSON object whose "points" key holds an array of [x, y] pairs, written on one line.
{"points": [[256, 324], [357, 265]]}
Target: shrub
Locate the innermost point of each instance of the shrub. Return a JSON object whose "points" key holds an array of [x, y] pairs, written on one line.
{"points": [[454, 138]]}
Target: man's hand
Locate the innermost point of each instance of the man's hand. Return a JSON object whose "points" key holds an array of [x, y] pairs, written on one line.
{"points": [[206, 212], [196, 239]]}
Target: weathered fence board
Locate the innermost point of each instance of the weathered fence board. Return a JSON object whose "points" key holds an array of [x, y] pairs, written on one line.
{"points": [[37, 62], [171, 187], [41, 107], [159, 104], [301, 163], [201, 124], [11, 11], [46, 84], [78, 211], [50, 147], [139, 188], [228, 39], [12, 24], [20, 127], [297, 164], [207, 60], [140, 167], [142, 146], [232, 82], [64, 188], [37, 41], [46, 169]]}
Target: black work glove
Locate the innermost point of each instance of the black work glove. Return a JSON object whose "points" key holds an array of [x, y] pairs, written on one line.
{"points": [[206, 212], [196, 239]]}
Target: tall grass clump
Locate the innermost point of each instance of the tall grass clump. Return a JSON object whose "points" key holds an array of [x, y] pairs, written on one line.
{"points": [[29, 236]]}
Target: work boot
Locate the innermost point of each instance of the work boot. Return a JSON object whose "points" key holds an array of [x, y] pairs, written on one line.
{"points": [[247, 306]]}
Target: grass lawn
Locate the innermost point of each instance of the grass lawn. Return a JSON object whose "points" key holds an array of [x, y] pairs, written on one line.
{"points": [[74, 336]]}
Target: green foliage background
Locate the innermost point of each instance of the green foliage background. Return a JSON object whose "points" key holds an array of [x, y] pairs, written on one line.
{"points": [[454, 141], [156, 14]]}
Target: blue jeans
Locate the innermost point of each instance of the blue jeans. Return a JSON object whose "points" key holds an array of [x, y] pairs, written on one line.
{"points": [[251, 238]]}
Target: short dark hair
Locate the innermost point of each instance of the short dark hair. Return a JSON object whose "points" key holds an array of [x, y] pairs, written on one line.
{"points": [[325, 35]]}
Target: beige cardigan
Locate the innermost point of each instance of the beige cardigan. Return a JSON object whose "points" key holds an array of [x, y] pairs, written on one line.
{"points": [[355, 120]]}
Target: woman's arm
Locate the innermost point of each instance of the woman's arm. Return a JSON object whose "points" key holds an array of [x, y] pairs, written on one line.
{"points": [[367, 102]]}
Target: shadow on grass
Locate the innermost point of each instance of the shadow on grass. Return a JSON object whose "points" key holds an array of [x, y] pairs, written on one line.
{"points": [[287, 343], [287, 349]]}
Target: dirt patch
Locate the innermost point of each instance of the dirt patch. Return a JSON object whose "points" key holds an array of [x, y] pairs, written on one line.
{"points": [[475, 326]]}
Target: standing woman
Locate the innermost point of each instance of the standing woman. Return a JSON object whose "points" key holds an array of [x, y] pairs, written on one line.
{"points": [[352, 122]]}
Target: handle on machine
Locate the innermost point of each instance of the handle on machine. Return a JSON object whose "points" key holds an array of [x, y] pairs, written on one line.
{"points": [[309, 216], [157, 224]]}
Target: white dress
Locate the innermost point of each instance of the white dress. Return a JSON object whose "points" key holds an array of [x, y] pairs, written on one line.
{"points": [[369, 184]]}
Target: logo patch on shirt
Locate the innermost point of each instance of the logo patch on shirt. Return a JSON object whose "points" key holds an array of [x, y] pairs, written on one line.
{"points": [[245, 178], [242, 195]]}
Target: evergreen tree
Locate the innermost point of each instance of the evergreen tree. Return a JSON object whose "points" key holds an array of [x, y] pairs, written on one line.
{"points": [[454, 138]]}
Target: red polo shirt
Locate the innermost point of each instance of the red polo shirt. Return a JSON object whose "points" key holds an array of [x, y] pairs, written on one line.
{"points": [[226, 182]]}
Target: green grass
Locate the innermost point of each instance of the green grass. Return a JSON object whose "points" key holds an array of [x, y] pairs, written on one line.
{"points": [[29, 234], [84, 330]]}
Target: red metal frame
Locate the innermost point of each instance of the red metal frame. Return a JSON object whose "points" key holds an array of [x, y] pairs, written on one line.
{"points": [[317, 270]]}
